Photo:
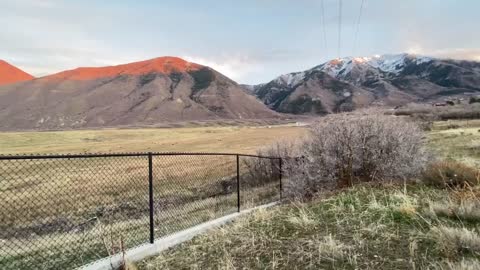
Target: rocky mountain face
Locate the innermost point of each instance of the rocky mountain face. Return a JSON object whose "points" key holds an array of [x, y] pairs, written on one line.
{"points": [[10, 74], [160, 90], [350, 83]]}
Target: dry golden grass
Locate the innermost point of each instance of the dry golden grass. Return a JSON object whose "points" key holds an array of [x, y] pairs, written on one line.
{"points": [[453, 241], [242, 139], [451, 174], [462, 204], [359, 228], [461, 143], [465, 264]]}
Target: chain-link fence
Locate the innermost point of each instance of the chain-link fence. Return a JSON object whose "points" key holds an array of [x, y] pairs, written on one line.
{"points": [[62, 212]]}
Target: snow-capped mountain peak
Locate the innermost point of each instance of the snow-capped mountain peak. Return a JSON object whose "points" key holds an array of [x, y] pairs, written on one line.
{"points": [[355, 69], [390, 63]]}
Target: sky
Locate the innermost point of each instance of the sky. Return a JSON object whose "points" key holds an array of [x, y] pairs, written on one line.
{"points": [[251, 41]]}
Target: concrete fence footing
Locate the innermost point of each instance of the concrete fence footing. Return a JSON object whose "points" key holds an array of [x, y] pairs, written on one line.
{"points": [[147, 250]]}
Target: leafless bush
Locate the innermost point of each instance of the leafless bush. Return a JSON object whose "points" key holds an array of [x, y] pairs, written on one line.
{"points": [[260, 171], [345, 149], [296, 182], [263, 170]]}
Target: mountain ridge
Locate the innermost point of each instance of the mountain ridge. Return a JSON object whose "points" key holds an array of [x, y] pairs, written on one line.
{"points": [[10, 74], [155, 91], [357, 82], [164, 64]]}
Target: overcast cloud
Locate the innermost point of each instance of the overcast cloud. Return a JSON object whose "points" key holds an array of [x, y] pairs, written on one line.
{"points": [[250, 41]]}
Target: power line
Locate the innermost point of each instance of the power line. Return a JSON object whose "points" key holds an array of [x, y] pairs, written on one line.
{"points": [[324, 31], [358, 28], [339, 27]]}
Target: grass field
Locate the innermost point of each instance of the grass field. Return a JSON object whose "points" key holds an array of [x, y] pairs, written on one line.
{"points": [[241, 139], [365, 227], [73, 209], [43, 201], [77, 210], [458, 140]]}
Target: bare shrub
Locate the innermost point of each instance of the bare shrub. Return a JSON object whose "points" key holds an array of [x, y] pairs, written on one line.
{"points": [[262, 170], [451, 174], [345, 149], [296, 181]]}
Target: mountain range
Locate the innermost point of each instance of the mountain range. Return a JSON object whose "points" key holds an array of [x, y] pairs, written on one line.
{"points": [[170, 89], [348, 83], [160, 90]]}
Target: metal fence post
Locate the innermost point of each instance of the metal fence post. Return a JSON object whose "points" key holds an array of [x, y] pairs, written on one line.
{"points": [[150, 195], [238, 183], [280, 160]]}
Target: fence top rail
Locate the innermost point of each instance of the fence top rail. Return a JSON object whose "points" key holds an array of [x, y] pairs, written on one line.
{"points": [[141, 154]]}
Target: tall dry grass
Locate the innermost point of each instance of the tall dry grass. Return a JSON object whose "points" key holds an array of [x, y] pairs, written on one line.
{"points": [[451, 174]]}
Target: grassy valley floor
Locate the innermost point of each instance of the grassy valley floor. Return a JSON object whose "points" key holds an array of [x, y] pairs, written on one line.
{"points": [[235, 139]]}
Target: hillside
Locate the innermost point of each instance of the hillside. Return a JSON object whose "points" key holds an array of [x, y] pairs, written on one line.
{"points": [[10, 74], [410, 227], [350, 83], [160, 90]]}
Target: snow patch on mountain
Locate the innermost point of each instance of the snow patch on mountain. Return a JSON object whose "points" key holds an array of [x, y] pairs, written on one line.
{"points": [[390, 63], [337, 67], [394, 63], [290, 79]]}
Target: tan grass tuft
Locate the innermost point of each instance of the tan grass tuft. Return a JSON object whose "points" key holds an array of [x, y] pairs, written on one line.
{"points": [[467, 210], [451, 174], [322, 248], [464, 264], [454, 240], [304, 218]]}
